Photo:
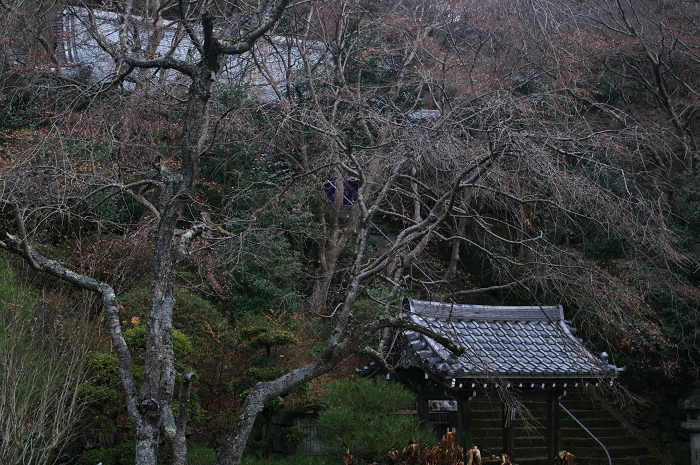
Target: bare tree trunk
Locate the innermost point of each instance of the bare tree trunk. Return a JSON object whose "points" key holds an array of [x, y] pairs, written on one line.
{"points": [[147, 437], [159, 372], [233, 444], [333, 240], [456, 244], [177, 441], [416, 196]]}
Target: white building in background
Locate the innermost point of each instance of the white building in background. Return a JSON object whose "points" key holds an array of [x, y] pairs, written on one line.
{"points": [[273, 63]]}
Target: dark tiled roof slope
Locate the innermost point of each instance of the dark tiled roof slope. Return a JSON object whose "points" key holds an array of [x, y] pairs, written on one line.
{"points": [[526, 343]]}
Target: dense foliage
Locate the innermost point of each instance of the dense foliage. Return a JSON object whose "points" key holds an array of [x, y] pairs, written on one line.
{"points": [[369, 416]]}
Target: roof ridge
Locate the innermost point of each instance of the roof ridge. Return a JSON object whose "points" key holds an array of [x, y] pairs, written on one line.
{"points": [[470, 312]]}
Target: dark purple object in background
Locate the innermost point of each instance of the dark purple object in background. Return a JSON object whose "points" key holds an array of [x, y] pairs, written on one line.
{"points": [[350, 188]]}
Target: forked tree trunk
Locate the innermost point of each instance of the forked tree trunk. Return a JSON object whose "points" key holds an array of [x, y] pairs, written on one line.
{"points": [[159, 372], [233, 444], [155, 397]]}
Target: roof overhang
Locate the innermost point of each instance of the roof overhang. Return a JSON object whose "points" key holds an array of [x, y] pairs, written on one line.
{"points": [[525, 347]]}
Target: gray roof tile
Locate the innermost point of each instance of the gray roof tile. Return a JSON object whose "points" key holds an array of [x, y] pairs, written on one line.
{"points": [[504, 341]]}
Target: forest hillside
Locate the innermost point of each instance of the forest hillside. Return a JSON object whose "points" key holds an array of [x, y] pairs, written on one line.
{"points": [[211, 210]]}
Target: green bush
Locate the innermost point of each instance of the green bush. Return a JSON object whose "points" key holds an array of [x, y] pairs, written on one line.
{"points": [[95, 456], [203, 341], [107, 409], [293, 436], [296, 459], [123, 454], [194, 316], [136, 340], [201, 454], [103, 392], [265, 277], [365, 415]]}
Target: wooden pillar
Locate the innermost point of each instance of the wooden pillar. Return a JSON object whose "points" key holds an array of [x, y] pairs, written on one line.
{"points": [[552, 425], [464, 426], [508, 421], [423, 408]]}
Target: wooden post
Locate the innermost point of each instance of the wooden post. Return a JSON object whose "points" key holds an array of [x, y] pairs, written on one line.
{"points": [[508, 421], [422, 407], [463, 420], [552, 425]]}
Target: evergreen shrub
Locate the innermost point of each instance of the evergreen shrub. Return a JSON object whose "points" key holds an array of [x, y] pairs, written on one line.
{"points": [[370, 417]]}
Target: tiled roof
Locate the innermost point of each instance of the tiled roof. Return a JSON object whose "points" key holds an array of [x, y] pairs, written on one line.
{"points": [[526, 343]]}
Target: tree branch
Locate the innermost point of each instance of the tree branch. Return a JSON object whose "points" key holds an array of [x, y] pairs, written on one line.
{"points": [[397, 322], [22, 242], [14, 245]]}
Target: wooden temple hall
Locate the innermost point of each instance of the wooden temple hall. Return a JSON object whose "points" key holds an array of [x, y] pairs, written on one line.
{"points": [[530, 351]]}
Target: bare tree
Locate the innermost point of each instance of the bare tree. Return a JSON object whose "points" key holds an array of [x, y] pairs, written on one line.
{"points": [[558, 176], [658, 56], [213, 35]]}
